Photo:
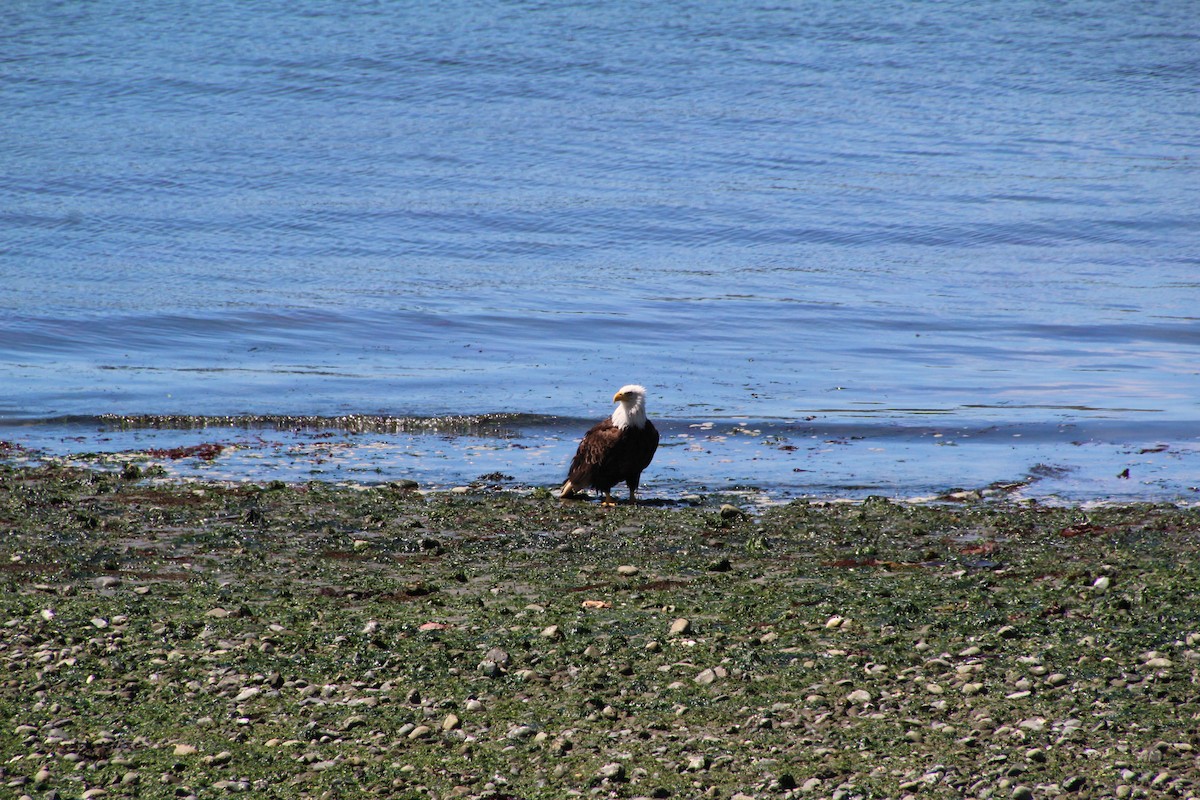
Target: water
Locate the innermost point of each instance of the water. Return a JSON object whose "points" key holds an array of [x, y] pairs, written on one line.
{"points": [[895, 217]]}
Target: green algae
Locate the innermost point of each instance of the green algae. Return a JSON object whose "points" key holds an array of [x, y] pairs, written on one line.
{"points": [[190, 639]]}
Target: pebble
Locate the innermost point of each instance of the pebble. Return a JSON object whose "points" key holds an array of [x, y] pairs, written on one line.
{"points": [[1101, 584], [613, 772], [1057, 679], [627, 570], [1074, 783], [859, 697], [420, 732], [521, 732], [680, 627], [451, 722], [1022, 793], [185, 750], [730, 511], [551, 632]]}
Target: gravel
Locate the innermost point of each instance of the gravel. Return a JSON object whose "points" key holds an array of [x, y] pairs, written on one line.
{"points": [[319, 647]]}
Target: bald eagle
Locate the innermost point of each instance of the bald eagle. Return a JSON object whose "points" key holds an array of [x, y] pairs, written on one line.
{"points": [[616, 449]]}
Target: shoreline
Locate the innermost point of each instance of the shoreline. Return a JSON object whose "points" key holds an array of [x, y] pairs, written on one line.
{"points": [[1061, 463], [305, 640]]}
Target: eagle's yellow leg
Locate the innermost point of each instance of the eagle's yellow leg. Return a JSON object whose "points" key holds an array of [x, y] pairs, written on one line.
{"points": [[608, 500]]}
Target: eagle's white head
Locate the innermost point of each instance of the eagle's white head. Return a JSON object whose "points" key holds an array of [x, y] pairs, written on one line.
{"points": [[632, 408]]}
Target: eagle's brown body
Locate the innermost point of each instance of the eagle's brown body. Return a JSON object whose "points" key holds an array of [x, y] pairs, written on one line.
{"points": [[613, 453]]}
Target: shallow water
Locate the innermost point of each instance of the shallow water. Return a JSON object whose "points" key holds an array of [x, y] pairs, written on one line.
{"points": [[867, 216]]}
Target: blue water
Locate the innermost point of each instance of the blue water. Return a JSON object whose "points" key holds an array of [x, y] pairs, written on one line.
{"points": [[871, 214]]}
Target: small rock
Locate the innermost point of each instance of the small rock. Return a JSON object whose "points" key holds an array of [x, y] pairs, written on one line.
{"points": [[217, 613], [810, 785], [627, 570], [697, 763], [859, 697], [613, 772], [100, 622], [499, 656], [1101, 584], [107, 582], [249, 693], [1057, 679], [451, 722], [185, 750], [680, 627], [420, 732], [1074, 783], [1022, 793], [729, 511], [522, 732], [551, 632]]}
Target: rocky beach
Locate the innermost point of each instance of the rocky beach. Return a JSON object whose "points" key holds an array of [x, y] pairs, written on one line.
{"points": [[172, 638]]}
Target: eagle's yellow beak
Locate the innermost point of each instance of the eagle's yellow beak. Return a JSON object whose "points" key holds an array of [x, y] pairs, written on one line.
{"points": [[618, 397]]}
